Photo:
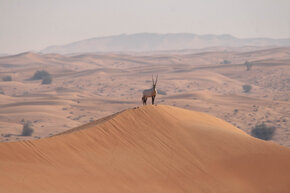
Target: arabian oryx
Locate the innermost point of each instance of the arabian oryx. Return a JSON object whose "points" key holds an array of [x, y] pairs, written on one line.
{"points": [[150, 92]]}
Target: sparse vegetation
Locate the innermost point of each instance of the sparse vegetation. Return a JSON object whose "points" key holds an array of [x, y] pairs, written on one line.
{"points": [[27, 129], [226, 62], [6, 135], [25, 93], [42, 75], [2, 92], [7, 78], [46, 80], [248, 65], [247, 88], [262, 131], [161, 92]]}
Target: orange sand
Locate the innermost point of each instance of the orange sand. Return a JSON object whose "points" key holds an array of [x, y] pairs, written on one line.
{"points": [[147, 149]]}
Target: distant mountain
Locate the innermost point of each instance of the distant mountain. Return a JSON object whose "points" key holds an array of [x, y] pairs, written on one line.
{"points": [[159, 42]]}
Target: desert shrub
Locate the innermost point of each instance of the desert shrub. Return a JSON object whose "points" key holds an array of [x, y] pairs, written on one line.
{"points": [[40, 75], [2, 92], [7, 78], [46, 80], [263, 131], [6, 135], [226, 62], [248, 65], [247, 88], [25, 93], [27, 129], [161, 92]]}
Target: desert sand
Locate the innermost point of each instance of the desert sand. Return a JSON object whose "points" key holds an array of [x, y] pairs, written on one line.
{"points": [[87, 87], [148, 149]]}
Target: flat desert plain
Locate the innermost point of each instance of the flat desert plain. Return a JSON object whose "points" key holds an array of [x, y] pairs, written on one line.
{"points": [[87, 87]]}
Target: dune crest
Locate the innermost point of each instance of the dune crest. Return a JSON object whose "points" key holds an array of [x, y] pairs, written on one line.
{"points": [[147, 149]]}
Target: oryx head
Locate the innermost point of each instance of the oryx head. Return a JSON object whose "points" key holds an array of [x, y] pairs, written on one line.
{"points": [[154, 83]]}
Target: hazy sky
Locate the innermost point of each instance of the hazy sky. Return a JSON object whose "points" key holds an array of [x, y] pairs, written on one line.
{"points": [[34, 24]]}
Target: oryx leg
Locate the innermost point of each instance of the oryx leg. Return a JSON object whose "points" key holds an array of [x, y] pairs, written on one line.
{"points": [[144, 99], [153, 98]]}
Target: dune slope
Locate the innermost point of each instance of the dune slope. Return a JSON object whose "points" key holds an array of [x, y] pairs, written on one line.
{"points": [[147, 149]]}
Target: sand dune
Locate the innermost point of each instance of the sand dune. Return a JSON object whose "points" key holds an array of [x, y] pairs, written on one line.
{"points": [[147, 149], [88, 86]]}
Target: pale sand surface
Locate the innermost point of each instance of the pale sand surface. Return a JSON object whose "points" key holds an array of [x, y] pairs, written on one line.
{"points": [[148, 149], [87, 87]]}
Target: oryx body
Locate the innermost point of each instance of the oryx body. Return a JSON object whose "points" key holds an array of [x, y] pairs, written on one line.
{"points": [[152, 92]]}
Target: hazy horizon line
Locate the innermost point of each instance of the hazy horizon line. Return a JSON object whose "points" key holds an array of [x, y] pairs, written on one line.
{"points": [[139, 33]]}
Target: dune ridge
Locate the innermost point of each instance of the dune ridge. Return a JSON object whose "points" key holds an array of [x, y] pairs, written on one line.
{"points": [[147, 149]]}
